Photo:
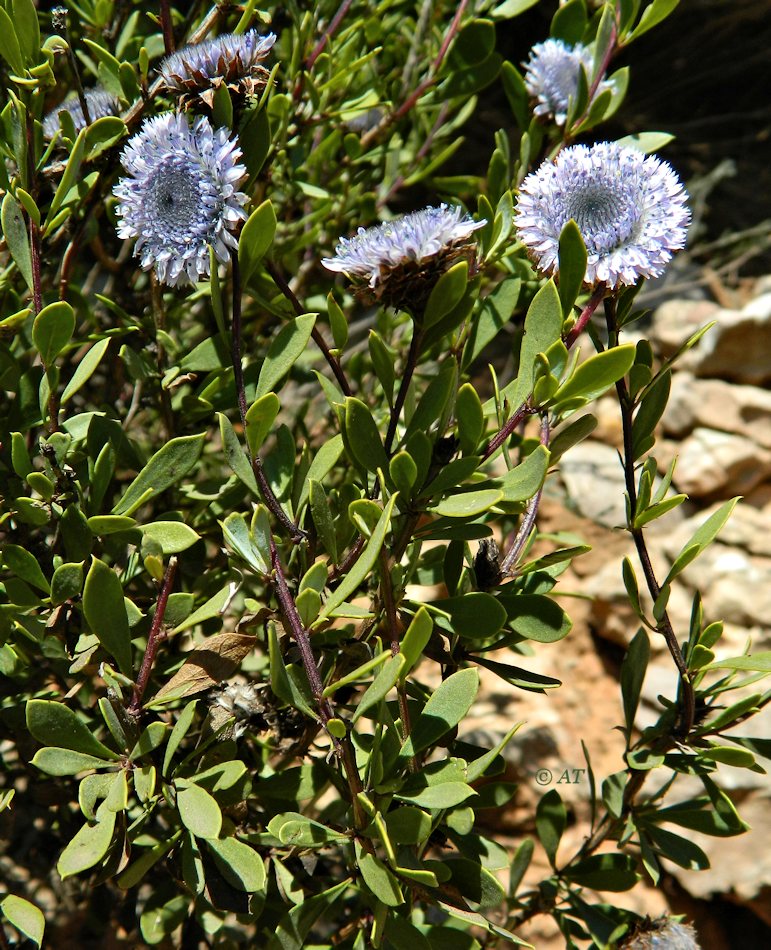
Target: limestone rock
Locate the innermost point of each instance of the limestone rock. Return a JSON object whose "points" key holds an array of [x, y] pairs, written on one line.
{"points": [[715, 404], [716, 464]]}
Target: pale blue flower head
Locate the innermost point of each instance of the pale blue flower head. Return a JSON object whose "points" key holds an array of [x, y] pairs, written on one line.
{"points": [[662, 934], [630, 209], [234, 59], [99, 103], [551, 76], [399, 262], [181, 196]]}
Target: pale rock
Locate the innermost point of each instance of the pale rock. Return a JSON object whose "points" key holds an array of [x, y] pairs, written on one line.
{"points": [[737, 347], [714, 404], [676, 320], [594, 482], [716, 464]]}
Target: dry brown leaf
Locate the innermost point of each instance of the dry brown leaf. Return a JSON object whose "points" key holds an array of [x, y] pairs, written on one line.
{"points": [[217, 659]]}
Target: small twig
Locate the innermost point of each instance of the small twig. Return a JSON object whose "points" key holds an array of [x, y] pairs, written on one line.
{"points": [[61, 21], [156, 636], [688, 701], [409, 368], [167, 27], [318, 339], [421, 154], [296, 533], [529, 517], [335, 22], [159, 319], [525, 409], [422, 87]]}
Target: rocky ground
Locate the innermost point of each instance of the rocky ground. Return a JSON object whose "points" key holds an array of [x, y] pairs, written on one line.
{"points": [[719, 425]]}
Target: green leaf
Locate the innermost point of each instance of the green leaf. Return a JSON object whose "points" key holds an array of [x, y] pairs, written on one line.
{"points": [[235, 456], [287, 347], [495, 311], [298, 831], [593, 377], [256, 237], [523, 679], [14, 229], [52, 330], [446, 795], [448, 704], [68, 179], [85, 369], [550, 823], [363, 565], [687, 854], [169, 465], [632, 675], [322, 519], [543, 325], [24, 565], [524, 480], [363, 437], [470, 418], [213, 607], [475, 882], [536, 617], [294, 927], [239, 864], [379, 688], [646, 142], [105, 613], [9, 44], [416, 638], [446, 294], [25, 917], [572, 265], [67, 582], [408, 825], [55, 761], [199, 811], [604, 872], [652, 15], [511, 8], [54, 724], [702, 537], [468, 504], [475, 615], [173, 536], [260, 417], [89, 845], [757, 662], [239, 537], [337, 322], [178, 733]]}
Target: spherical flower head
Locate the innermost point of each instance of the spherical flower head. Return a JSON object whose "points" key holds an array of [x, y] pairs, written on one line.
{"points": [[630, 209], [662, 934], [180, 196], [196, 71], [552, 73], [399, 262], [99, 103]]}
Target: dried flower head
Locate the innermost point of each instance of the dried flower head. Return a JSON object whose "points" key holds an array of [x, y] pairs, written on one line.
{"points": [[196, 71], [99, 103], [662, 934], [552, 74], [180, 196], [630, 209], [399, 262]]}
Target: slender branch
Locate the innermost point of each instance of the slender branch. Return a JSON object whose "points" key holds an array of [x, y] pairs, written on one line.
{"points": [[167, 26], [335, 22], [422, 87], [401, 396], [528, 521], [159, 318], [421, 154], [525, 409], [61, 22], [318, 339], [343, 747], [156, 636], [296, 533], [687, 698]]}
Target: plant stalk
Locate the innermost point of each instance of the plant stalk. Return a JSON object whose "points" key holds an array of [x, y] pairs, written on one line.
{"points": [[156, 637]]}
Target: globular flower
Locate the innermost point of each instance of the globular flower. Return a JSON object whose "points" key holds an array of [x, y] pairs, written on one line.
{"points": [[99, 103], [552, 73], [196, 71], [630, 209], [662, 934], [399, 262], [180, 196]]}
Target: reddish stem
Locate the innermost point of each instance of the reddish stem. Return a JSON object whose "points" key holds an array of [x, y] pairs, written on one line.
{"points": [[335, 22], [156, 637]]}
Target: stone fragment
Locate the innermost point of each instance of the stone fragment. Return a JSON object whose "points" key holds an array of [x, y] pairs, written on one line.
{"points": [[715, 404], [716, 464]]}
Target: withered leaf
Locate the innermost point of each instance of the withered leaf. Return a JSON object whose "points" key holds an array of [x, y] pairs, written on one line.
{"points": [[215, 660]]}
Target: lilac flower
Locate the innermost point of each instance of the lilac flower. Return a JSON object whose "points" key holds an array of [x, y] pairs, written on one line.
{"points": [[630, 209], [552, 73], [98, 101], [180, 196], [195, 71], [399, 262]]}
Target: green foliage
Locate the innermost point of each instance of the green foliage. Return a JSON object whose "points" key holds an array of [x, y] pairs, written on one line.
{"points": [[244, 609]]}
